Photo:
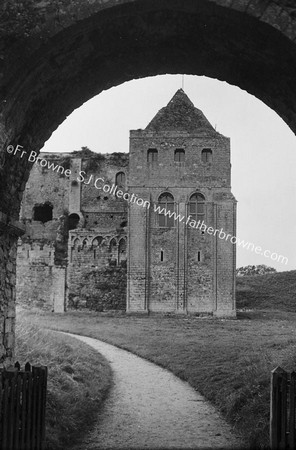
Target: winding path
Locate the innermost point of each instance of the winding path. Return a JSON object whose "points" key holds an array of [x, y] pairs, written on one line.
{"points": [[149, 407]]}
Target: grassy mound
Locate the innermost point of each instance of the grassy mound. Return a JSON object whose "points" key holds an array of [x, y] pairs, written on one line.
{"points": [[270, 291], [78, 380]]}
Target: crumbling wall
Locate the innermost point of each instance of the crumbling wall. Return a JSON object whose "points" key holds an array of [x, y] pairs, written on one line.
{"points": [[101, 289], [97, 270], [40, 283], [102, 209], [43, 250]]}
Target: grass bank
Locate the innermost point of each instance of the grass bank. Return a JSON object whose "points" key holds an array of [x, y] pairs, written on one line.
{"points": [[271, 291], [78, 380]]}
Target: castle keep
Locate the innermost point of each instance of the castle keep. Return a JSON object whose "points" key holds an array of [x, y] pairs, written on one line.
{"points": [[87, 244]]}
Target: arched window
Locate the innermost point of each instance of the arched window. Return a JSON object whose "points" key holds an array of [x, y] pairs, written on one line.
{"points": [[197, 206], [113, 249], [76, 243], [206, 155], [179, 155], [121, 250], [73, 221], [95, 244], [120, 179], [152, 155], [97, 241], [75, 248], [166, 207], [113, 245]]}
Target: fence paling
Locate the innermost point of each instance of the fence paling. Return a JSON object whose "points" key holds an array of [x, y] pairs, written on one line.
{"points": [[17, 423], [5, 413], [22, 408], [282, 409], [292, 411]]}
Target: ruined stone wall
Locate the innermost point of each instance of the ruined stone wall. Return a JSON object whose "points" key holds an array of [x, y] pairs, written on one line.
{"points": [[99, 207], [43, 250], [96, 247], [40, 283], [97, 270], [46, 185]]}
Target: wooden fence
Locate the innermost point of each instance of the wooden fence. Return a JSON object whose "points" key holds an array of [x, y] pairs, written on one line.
{"points": [[282, 409], [22, 408]]}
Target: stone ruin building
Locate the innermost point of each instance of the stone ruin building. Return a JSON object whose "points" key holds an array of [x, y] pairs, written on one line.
{"points": [[87, 246]]}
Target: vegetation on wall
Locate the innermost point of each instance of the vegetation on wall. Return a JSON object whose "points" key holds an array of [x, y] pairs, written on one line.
{"points": [[91, 161], [101, 290], [61, 242]]}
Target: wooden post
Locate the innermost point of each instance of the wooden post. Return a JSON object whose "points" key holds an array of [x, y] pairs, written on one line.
{"points": [[43, 396], [292, 411], [5, 413], [17, 412], [278, 409]]}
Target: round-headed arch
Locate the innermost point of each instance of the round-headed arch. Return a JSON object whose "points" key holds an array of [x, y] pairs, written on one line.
{"points": [[53, 66]]}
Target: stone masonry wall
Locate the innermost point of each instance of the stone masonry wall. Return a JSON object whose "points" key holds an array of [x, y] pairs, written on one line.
{"points": [[226, 217], [40, 283], [7, 298], [43, 250], [97, 270], [176, 271], [162, 287]]}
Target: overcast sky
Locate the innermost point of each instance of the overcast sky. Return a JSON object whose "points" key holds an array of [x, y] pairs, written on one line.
{"points": [[263, 150]]}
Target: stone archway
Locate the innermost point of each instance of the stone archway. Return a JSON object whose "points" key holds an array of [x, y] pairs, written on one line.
{"points": [[57, 55]]}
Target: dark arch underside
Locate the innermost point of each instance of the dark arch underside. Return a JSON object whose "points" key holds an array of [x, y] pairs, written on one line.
{"points": [[136, 40]]}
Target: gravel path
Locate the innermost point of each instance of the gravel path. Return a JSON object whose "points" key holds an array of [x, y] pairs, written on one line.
{"points": [[149, 407]]}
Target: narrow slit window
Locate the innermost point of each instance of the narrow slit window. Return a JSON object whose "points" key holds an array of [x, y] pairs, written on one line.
{"points": [[179, 155], [161, 255], [198, 256]]}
